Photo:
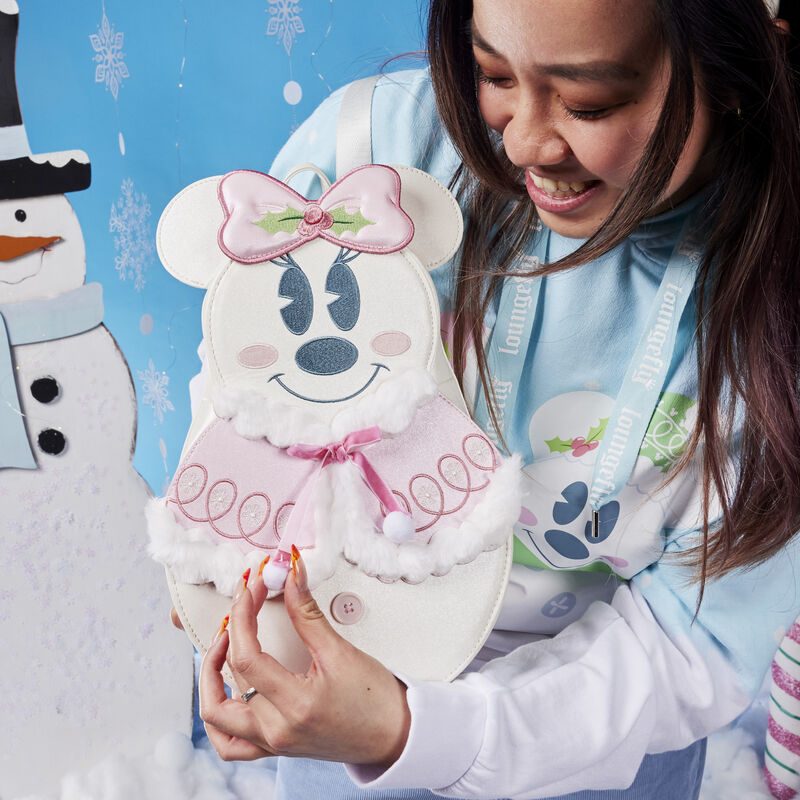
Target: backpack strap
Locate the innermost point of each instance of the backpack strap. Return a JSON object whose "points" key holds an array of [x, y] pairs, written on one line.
{"points": [[354, 129]]}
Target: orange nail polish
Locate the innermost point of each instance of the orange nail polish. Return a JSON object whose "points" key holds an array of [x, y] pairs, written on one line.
{"points": [[223, 626], [262, 565], [295, 552], [245, 578]]}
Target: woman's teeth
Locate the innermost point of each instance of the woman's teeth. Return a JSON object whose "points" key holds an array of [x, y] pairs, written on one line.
{"points": [[559, 189]]}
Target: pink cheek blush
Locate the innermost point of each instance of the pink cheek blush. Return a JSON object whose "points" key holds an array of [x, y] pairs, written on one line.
{"points": [[390, 343], [257, 356]]}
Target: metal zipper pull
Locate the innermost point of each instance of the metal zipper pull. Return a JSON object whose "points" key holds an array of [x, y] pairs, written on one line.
{"points": [[595, 524]]}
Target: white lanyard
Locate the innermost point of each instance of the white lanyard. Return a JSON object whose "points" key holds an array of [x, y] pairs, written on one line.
{"points": [[641, 387]]}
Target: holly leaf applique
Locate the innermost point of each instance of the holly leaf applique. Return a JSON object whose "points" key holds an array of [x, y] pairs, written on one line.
{"points": [[579, 445], [597, 433], [285, 221], [558, 445], [342, 221]]}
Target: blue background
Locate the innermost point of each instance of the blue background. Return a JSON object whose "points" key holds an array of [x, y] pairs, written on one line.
{"points": [[200, 90]]}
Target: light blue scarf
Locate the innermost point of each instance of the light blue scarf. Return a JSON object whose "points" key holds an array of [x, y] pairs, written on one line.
{"points": [[37, 321]]}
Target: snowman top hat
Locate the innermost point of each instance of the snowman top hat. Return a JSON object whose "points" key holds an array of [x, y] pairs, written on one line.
{"points": [[23, 174]]}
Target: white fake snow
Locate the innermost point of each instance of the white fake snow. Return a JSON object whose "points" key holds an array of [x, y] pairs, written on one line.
{"points": [[176, 770]]}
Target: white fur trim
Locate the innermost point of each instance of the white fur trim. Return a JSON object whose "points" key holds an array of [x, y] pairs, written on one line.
{"points": [[195, 557], [255, 416], [487, 526], [391, 407], [343, 528], [191, 554]]}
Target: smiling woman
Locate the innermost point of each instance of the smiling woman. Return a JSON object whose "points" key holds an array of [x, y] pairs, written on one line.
{"points": [[625, 314], [576, 94]]}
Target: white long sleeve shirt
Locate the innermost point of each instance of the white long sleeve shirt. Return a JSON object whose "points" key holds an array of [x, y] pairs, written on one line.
{"points": [[629, 670]]}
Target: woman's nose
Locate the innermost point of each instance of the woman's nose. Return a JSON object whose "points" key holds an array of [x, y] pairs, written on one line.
{"points": [[531, 139]]}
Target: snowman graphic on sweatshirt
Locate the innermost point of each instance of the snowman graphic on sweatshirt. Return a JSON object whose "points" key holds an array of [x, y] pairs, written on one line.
{"points": [[556, 522], [89, 662]]}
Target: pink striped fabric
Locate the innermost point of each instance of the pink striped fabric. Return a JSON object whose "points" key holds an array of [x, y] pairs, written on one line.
{"points": [[794, 632], [789, 683], [777, 789], [782, 756], [791, 741]]}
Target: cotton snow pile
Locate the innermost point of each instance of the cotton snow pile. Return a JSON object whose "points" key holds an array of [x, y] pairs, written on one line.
{"points": [[175, 770], [735, 757], [178, 770], [733, 768]]}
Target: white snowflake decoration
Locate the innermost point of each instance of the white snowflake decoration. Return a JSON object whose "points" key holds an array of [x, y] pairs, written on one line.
{"points": [[156, 394], [253, 514], [426, 496], [453, 472], [107, 44], [134, 244], [218, 499], [189, 483], [478, 451], [285, 22]]}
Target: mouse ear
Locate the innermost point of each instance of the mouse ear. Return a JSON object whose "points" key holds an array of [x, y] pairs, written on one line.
{"points": [[187, 234], [437, 218]]}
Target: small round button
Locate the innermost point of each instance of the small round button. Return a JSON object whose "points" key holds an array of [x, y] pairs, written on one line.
{"points": [[45, 390], [52, 441], [347, 608]]}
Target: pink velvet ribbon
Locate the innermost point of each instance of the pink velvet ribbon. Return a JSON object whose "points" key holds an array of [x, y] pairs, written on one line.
{"points": [[349, 449], [265, 218]]}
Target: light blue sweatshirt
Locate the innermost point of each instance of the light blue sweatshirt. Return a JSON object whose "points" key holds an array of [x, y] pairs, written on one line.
{"points": [[629, 671]]}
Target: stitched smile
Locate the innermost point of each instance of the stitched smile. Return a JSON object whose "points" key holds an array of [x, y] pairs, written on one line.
{"points": [[277, 379]]}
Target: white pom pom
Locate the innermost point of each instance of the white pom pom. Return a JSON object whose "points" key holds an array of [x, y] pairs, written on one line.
{"points": [[274, 575], [398, 527]]}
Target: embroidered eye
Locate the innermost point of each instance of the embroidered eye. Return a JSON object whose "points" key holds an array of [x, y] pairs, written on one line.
{"points": [[296, 314], [344, 310]]}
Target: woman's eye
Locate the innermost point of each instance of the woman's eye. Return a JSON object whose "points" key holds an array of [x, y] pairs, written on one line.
{"points": [[491, 80], [297, 313], [344, 310], [588, 113]]}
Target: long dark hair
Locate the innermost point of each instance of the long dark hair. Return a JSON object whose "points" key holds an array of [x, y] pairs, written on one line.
{"points": [[748, 325]]}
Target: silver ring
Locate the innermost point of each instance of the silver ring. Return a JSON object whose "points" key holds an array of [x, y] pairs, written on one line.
{"points": [[248, 694]]}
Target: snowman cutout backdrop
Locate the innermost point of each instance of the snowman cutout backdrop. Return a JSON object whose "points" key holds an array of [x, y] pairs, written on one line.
{"points": [[331, 420], [89, 662]]}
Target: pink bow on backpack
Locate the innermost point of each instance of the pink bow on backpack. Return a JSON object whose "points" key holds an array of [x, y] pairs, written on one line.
{"points": [[398, 525], [264, 218]]}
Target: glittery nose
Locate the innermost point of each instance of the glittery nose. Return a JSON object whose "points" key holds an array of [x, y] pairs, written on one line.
{"points": [[329, 355]]}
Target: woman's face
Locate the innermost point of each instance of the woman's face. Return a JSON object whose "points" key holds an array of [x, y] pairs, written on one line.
{"points": [[575, 87]]}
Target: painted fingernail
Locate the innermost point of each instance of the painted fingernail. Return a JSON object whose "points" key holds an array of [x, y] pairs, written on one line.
{"points": [[295, 556], [262, 565], [242, 586], [223, 627]]}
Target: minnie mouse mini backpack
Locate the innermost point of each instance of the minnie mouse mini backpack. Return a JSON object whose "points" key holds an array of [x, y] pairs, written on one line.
{"points": [[331, 421]]}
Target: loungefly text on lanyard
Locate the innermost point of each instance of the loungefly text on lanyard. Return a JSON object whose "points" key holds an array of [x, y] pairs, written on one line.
{"points": [[644, 379]]}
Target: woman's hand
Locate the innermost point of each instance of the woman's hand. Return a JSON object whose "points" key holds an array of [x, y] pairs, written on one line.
{"points": [[346, 707]]}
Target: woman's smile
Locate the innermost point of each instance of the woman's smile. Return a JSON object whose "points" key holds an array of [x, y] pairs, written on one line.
{"points": [[559, 197], [576, 90]]}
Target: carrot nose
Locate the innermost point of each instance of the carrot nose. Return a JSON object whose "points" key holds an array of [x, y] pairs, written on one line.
{"points": [[14, 246]]}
